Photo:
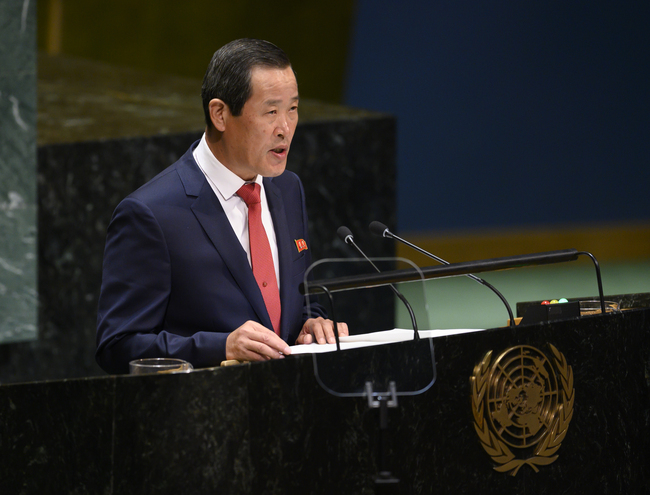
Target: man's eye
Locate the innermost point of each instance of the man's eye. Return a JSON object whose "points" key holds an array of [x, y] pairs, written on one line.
{"points": [[273, 112]]}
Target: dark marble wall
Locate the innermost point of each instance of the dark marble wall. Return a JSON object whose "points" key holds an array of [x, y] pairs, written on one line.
{"points": [[18, 297], [269, 427], [346, 164]]}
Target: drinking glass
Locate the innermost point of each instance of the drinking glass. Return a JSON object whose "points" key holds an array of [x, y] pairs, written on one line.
{"points": [[159, 365]]}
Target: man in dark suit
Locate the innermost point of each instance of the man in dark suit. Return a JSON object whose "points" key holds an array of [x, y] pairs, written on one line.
{"points": [[177, 277]]}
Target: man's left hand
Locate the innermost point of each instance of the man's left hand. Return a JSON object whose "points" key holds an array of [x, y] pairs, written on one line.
{"points": [[321, 331]]}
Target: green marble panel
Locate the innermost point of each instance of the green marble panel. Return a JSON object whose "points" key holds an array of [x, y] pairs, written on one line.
{"points": [[18, 213]]}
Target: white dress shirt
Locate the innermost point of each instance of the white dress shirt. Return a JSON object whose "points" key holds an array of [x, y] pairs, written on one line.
{"points": [[225, 185]]}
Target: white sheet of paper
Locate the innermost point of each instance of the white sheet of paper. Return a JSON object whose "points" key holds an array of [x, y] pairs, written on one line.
{"points": [[378, 338]]}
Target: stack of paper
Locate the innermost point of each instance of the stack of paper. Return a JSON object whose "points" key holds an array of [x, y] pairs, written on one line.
{"points": [[377, 338]]}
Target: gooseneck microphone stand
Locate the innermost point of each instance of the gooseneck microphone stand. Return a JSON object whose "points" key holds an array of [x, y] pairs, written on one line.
{"points": [[381, 230]]}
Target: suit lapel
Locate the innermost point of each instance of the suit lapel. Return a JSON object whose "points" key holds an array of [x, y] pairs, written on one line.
{"points": [[210, 215], [283, 239]]}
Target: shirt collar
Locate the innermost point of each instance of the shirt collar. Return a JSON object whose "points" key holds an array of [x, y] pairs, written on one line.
{"points": [[221, 178]]}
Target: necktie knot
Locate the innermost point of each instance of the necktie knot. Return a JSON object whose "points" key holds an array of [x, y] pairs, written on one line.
{"points": [[250, 193]]}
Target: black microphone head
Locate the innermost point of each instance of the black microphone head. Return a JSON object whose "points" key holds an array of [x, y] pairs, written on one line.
{"points": [[344, 233], [378, 228]]}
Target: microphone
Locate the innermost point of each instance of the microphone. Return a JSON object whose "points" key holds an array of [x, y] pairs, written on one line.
{"points": [[379, 229], [346, 236]]}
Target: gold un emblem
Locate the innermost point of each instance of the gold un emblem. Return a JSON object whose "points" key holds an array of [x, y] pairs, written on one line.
{"points": [[522, 405]]}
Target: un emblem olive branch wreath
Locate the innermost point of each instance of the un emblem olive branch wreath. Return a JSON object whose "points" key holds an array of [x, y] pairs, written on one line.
{"points": [[545, 452]]}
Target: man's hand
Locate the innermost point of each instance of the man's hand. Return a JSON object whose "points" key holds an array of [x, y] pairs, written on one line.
{"points": [[255, 342], [321, 331]]}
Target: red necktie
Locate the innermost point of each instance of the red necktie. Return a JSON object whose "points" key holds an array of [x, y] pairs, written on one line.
{"points": [[261, 257]]}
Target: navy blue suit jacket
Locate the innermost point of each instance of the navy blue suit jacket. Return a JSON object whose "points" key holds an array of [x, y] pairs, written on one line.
{"points": [[176, 280]]}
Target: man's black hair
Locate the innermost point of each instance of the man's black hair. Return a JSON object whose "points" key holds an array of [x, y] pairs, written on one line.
{"points": [[228, 77]]}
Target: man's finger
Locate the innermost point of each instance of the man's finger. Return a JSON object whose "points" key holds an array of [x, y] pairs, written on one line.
{"points": [[268, 338], [328, 326], [328, 330], [317, 331], [304, 337], [254, 342]]}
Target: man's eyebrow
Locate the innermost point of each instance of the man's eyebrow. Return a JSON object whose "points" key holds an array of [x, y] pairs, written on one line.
{"points": [[277, 102]]}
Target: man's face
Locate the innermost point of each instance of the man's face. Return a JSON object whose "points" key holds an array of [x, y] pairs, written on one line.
{"points": [[258, 140]]}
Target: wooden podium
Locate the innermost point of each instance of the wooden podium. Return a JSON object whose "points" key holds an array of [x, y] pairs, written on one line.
{"points": [[271, 428]]}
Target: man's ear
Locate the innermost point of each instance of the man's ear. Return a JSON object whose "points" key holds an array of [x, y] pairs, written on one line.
{"points": [[219, 113]]}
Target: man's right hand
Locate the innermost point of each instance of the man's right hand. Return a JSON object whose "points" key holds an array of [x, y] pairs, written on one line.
{"points": [[255, 342]]}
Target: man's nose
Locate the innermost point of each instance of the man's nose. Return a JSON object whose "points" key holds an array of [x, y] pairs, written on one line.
{"points": [[283, 128]]}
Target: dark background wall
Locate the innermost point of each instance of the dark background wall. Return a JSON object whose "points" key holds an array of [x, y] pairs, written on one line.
{"points": [[172, 37], [510, 113]]}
